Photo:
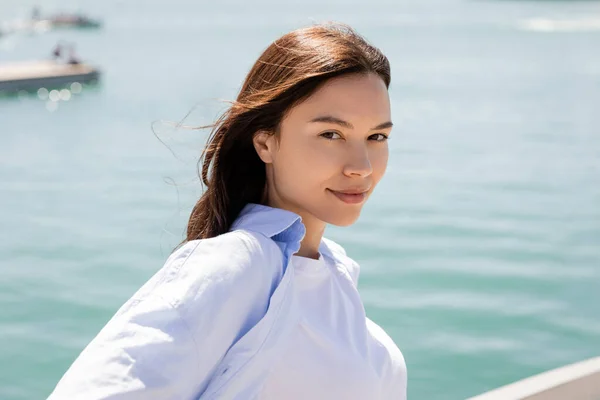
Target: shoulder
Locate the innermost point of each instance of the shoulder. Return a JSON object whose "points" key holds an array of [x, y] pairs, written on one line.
{"points": [[239, 245], [381, 337], [338, 253], [235, 264]]}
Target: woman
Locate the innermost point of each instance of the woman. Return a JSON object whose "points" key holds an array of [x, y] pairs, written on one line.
{"points": [[256, 304]]}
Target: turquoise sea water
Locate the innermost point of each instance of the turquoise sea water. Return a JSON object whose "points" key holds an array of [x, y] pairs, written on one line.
{"points": [[480, 251]]}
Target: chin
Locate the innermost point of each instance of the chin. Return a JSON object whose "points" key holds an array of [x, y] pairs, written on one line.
{"points": [[342, 218]]}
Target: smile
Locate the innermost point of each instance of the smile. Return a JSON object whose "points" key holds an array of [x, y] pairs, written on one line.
{"points": [[350, 197]]}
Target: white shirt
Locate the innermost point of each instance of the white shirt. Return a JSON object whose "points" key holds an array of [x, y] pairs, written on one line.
{"points": [[335, 352], [220, 314]]}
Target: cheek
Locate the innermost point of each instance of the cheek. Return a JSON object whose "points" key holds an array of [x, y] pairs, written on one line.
{"points": [[379, 160], [307, 165]]}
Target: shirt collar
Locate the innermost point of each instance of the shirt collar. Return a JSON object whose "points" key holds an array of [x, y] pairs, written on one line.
{"points": [[278, 224]]}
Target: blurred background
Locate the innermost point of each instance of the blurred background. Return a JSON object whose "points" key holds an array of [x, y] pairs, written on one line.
{"points": [[480, 250]]}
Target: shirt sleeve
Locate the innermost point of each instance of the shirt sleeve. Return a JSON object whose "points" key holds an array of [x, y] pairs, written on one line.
{"points": [[144, 352], [167, 341]]}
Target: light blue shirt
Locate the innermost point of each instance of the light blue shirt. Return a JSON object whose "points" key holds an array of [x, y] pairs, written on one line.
{"points": [[207, 325]]}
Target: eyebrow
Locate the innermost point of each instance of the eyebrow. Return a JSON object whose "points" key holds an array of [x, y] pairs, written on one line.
{"points": [[334, 120]]}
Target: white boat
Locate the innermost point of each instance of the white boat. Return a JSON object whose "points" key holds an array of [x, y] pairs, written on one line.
{"points": [[32, 75], [579, 381]]}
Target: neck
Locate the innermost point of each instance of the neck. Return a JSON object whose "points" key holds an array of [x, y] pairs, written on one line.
{"points": [[309, 246]]}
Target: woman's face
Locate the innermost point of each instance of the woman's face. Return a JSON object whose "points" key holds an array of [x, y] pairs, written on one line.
{"points": [[331, 151]]}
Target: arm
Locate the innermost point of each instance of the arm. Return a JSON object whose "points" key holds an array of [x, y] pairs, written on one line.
{"points": [[146, 351], [166, 342]]}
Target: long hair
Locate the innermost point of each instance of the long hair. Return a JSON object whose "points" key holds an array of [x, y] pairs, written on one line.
{"points": [[286, 73]]}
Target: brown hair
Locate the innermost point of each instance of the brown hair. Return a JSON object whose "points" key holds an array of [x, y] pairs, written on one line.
{"points": [[286, 73]]}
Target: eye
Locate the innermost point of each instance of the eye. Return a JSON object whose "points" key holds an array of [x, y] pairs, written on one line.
{"points": [[331, 135], [378, 137]]}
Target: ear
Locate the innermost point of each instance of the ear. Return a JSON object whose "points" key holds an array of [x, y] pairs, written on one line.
{"points": [[264, 144]]}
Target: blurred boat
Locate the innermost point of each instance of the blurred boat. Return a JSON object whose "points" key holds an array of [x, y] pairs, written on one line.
{"points": [[38, 23], [579, 381], [70, 21], [32, 75]]}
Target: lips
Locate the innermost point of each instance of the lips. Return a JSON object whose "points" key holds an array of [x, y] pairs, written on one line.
{"points": [[352, 196]]}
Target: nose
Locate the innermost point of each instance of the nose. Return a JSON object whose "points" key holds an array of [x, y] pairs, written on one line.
{"points": [[358, 163]]}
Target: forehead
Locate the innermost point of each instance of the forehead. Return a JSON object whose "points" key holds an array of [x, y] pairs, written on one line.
{"points": [[351, 97]]}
